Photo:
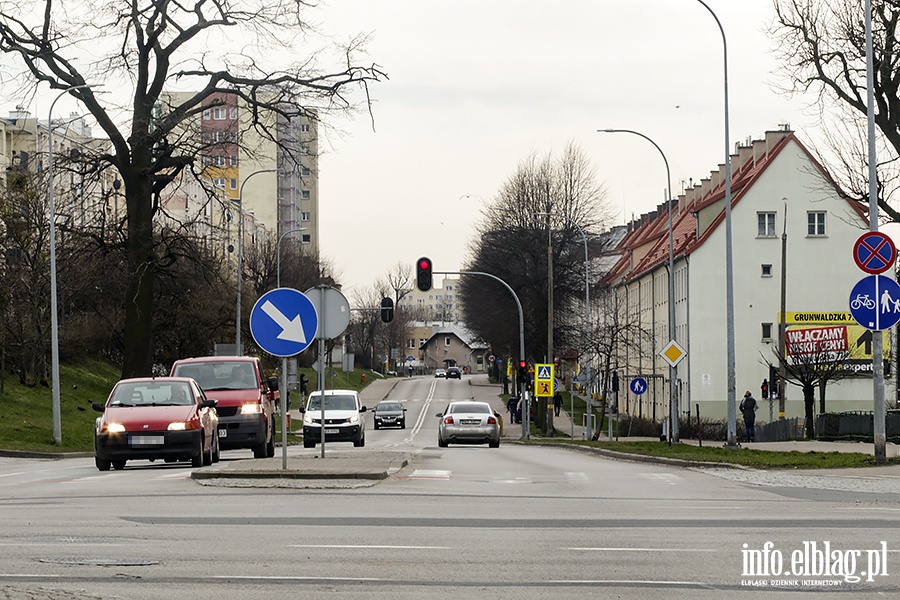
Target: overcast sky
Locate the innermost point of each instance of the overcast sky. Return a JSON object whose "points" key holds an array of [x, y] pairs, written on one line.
{"points": [[476, 86]]}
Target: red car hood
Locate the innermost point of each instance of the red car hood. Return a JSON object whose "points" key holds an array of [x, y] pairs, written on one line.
{"points": [[233, 397], [153, 417]]}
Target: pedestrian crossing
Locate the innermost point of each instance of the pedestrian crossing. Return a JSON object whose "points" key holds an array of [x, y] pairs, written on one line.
{"points": [[566, 477]]}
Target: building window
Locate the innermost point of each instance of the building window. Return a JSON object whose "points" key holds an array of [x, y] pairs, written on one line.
{"points": [[304, 128], [304, 171], [304, 194], [220, 161], [815, 223], [234, 160], [206, 114], [411, 343], [233, 183], [447, 341], [767, 270], [306, 238], [304, 216], [767, 332], [765, 224], [219, 182], [233, 113], [219, 113]]}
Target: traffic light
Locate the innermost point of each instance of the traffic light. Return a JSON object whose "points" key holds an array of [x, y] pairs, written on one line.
{"points": [[423, 274], [523, 373], [765, 388], [387, 310]]}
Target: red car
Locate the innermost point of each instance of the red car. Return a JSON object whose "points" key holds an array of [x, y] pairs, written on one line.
{"points": [[166, 418]]}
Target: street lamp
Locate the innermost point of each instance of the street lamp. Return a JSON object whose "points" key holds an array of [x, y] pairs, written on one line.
{"points": [[673, 395], [278, 257], [54, 320], [240, 256], [729, 263], [587, 322]]}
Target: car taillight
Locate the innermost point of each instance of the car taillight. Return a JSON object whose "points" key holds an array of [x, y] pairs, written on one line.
{"points": [[492, 421], [448, 420]]}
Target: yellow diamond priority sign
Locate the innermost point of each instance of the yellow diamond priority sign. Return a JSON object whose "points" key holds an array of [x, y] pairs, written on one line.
{"points": [[673, 353]]}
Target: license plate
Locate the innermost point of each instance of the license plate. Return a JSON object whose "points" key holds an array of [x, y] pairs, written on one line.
{"points": [[147, 440], [332, 431], [223, 432], [469, 422]]}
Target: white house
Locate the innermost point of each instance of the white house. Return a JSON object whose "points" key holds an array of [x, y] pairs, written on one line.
{"points": [[780, 195]]}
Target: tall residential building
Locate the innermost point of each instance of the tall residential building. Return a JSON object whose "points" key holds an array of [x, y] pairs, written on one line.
{"points": [[282, 197], [437, 304]]}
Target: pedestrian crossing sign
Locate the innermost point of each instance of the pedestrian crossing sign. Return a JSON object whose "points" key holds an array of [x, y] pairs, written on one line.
{"points": [[543, 380]]}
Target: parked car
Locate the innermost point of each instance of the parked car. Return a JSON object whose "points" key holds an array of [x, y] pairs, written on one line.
{"points": [[343, 418], [469, 422], [454, 373], [440, 373], [389, 413], [246, 399], [167, 418]]}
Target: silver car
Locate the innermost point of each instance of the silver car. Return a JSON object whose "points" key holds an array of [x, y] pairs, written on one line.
{"points": [[469, 422]]}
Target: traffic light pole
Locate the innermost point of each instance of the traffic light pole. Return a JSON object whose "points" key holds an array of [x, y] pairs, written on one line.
{"points": [[523, 394]]}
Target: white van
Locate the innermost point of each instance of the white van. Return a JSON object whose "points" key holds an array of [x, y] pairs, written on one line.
{"points": [[344, 421]]}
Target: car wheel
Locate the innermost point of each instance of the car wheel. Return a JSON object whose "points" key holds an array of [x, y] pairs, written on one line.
{"points": [[259, 451], [494, 444], [197, 461], [102, 465], [216, 456], [376, 427], [441, 443], [118, 465], [308, 443], [359, 443], [270, 447], [402, 424]]}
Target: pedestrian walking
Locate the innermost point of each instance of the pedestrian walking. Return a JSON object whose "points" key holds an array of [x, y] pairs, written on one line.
{"points": [[748, 409], [557, 403], [512, 405]]}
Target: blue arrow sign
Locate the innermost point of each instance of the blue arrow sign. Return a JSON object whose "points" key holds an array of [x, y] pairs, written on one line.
{"points": [[284, 322], [638, 385], [875, 302]]}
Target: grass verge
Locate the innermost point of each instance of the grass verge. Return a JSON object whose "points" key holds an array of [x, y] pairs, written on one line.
{"points": [[758, 459]]}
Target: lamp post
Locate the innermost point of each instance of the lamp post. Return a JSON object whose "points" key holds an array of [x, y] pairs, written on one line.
{"points": [[54, 320], [673, 395], [278, 252], [587, 323], [240, 256], [729, 262]]}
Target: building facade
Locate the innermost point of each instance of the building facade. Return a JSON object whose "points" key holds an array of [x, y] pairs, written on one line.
{"points": [[783, 204]]}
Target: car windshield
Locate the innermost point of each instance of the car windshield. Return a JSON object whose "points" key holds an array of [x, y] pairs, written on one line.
{"points": [[470, 407], [152, 394], [332, 402], [388, 407], [225, 375]]}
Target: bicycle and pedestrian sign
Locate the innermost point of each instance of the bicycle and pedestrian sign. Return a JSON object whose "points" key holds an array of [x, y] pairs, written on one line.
{"points": [[875, 302]]}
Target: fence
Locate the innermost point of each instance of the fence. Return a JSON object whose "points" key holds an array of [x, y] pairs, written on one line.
{"points": [[782, 430], [856, 425]]}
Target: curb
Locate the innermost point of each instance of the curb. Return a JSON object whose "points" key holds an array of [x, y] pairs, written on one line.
{"points": [[675, 462], [44, 455]]}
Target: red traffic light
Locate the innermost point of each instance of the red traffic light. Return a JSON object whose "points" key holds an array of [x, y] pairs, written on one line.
{"points": [[423, 274], [424, 263], [521, 364]]}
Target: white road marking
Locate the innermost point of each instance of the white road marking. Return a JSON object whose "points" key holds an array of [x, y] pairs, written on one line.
{"points": [[430, 474], [367, 547], [588, 549]]}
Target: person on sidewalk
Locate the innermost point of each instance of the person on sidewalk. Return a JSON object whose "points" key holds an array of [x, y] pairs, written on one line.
{"points": [[557, 403], [748, 409], [512, 405]]}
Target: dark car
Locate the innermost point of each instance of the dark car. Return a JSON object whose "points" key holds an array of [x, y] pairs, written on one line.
{"points": [[167, 418], [390, 413], [454, 373]]}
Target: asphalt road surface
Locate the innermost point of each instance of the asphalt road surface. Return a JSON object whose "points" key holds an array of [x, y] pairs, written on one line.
{"points": [[460, 522]]}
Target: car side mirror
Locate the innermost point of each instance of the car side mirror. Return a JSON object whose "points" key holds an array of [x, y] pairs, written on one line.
{"points": [[439, 415], [302, 410], [362, 409], [209, 403], [98, 406], [404, 410]]}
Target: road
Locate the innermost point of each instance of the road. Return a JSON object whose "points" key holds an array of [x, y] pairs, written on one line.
{"points": [[465, 521]]}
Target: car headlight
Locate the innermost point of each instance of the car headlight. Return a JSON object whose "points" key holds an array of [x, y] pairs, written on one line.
{"points": [[354, 419], [182, 426], [252, 409], [307, 419], [115, 428]]}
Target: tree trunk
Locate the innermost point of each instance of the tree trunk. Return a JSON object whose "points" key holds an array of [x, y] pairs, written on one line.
{"points": [[137, 360], [809, 400]]}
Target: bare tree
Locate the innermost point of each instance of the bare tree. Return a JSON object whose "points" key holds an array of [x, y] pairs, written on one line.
{"points": [[823, 48], [545, 200], [146, 46]]}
